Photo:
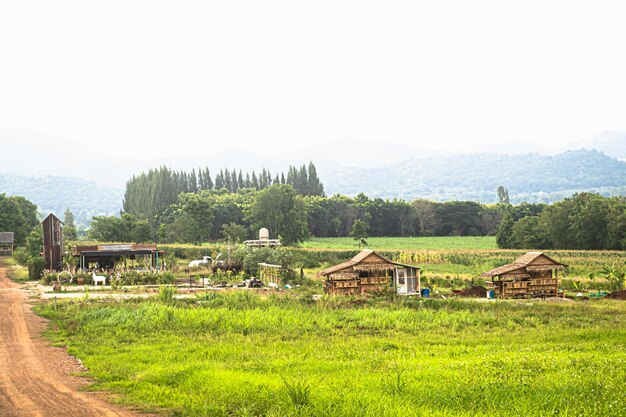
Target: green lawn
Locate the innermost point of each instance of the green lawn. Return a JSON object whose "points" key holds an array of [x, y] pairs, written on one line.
{"points": [[246, 355]]}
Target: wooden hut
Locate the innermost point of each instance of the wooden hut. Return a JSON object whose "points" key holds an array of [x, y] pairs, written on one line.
{"points": [[533, 274], [368, 272], [53, 242], [7, 240]]}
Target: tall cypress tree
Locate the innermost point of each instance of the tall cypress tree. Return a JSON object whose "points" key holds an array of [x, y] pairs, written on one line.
{"points": [[219, 180]]}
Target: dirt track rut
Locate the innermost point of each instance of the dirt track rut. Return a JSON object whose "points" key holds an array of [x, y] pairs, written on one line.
{"points": [[34, 377]]}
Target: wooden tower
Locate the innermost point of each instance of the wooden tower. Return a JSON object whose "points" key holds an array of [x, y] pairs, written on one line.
{"points": [[53, 242]]}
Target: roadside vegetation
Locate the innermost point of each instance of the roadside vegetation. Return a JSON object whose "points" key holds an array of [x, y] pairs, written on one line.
{"points": [[15, 271], [241, 354]]}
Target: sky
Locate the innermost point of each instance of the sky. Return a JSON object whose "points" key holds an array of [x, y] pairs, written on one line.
{"points": [[152, 78]]}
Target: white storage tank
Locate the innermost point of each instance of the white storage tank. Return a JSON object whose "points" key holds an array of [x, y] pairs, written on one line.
{"points": [[264, 234]]}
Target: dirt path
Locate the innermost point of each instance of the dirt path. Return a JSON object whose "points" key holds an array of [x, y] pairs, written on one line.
{"points": [[35, 378]]}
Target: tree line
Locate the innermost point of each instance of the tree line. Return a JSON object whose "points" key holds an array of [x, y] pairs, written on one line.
{"points": [[288, 212], [150, 194], [584, 221]]}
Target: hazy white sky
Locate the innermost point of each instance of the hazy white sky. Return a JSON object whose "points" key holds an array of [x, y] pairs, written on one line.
{"points": [[155, 77]]}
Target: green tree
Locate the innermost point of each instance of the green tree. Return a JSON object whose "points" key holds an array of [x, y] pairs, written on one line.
{"points": [[34, 242], [189, 220], [617, 229], [282, 211], [505, 231], [503, 195], [69, 228], [17, 215], [426, 216], [141, 232], [359, 232], [107, 229], [234, 232], [589, 221], [527, 233], [184, 229], [314, 186], [458, 218]]}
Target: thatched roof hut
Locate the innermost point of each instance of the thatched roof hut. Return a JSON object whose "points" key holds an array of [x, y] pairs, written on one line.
{"points": [[533, 273], [369, 271]]}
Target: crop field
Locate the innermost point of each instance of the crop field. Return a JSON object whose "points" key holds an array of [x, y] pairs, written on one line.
{"points": [[405, 243], [242, 354], [450, 261]]}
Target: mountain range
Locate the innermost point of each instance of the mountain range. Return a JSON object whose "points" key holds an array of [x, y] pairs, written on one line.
{"points": [[56, 174]]}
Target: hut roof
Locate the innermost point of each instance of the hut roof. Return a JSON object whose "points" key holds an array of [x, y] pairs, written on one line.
{"points": [[354, 263], [7, 237], [52, 217], [530, 261]]}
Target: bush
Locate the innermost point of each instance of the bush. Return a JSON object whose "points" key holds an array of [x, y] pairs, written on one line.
{"points": [[145, 278], [166, 294], [48, 276], [21, 256], [35, 268]]}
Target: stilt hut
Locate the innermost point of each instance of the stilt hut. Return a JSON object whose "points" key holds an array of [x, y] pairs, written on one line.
{"points": [[6, 243], [531, 275], [369, 272]]}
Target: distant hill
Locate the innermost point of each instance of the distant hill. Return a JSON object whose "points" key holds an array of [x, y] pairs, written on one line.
{"points": [[610, 143], [528, 177], [54, 194], [56, 173]]}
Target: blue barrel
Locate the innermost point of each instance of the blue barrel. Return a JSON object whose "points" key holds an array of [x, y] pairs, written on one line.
{"points": [[491, 294], [425, 292]]}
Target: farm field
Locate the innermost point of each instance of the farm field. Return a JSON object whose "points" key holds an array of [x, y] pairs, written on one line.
{"points": [[405, 243], [451, 261], [243, 354]]}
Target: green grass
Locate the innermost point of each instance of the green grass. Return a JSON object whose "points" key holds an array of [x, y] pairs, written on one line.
{"points": [[405, 243], [15, 272], [246, 355]]}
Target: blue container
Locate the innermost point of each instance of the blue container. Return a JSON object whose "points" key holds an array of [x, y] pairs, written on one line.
{"points": [[425, 292], [491, 294]]}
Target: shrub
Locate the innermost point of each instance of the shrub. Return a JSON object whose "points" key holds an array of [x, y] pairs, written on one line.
{"points": [[166, 293], [21, 256], [48, 276], [36, 266], [145, 278]]}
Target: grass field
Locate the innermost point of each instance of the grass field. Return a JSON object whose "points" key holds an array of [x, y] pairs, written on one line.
{"points": [[15, 272], [246, 355]]}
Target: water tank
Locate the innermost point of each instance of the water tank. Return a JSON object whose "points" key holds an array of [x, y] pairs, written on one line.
{"points": [[264, 234]]}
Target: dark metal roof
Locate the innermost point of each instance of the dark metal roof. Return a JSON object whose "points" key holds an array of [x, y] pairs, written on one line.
{"points": [[115, 250], [99, 254]]}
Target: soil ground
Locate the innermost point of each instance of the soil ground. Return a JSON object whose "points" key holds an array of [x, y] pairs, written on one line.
{"points": [[37, 379]]}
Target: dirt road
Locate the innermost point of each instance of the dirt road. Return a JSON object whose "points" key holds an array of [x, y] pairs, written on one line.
{"points": [[35, 378]]}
